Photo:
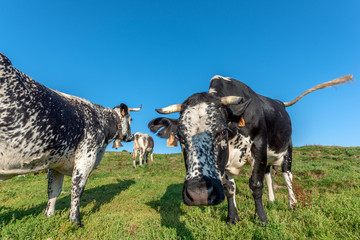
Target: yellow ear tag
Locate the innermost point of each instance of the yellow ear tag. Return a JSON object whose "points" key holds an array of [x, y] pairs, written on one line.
{"points": [[123, 112], [172, 141], [241, 122]]}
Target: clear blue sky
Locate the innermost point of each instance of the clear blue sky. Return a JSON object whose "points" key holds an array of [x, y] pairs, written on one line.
{"points": [[158, 53]]}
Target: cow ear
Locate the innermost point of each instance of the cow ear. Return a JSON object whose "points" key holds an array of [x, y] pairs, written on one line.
{"points": [[168, 126], [235, 112], [123, 109]]}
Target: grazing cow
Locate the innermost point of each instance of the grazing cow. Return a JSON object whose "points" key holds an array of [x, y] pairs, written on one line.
{"points": [[45, 129], [221, 130], [145, 145]]}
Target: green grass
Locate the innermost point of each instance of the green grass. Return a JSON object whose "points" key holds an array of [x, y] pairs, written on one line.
{"points": [[120, 202]]}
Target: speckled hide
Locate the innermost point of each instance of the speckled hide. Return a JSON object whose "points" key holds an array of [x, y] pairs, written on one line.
{"points": [[44, 129]]}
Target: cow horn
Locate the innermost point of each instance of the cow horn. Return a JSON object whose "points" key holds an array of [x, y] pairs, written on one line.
{"points": [[135, 109], [170, 109], [231, 100]]}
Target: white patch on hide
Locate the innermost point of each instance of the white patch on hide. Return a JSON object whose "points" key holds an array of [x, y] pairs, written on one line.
{"points": [[274, 158], [239, 154]]}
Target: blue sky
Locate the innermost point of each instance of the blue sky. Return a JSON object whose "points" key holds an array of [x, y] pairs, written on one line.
{"points": [[158, 53]]}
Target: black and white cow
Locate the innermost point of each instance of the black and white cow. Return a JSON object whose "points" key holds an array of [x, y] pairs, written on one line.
{"points": [[45, 129], [224, 128], [144, 144]]}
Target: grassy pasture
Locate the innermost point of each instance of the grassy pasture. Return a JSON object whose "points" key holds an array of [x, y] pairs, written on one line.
{"points": [[120, 202]]}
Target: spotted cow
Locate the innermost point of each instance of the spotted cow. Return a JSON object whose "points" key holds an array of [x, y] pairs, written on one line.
{"points": [[45, 129], [144, 144], [225, 128]]}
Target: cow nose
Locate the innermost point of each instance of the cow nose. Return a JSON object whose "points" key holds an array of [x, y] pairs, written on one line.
{"points": [[129, 138], [197, 193]]}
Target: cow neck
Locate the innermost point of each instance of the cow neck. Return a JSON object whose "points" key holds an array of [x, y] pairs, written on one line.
{"points": [[118, 124]]}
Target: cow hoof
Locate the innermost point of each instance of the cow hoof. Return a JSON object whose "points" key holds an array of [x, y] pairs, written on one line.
{"points": [[232, 221], [46, 214], [262, 222], [293, 207], [79, 224]]}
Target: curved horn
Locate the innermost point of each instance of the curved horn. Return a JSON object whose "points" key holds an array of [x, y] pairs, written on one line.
{"points": [[170, 109], [231, 100], [135, 109]]}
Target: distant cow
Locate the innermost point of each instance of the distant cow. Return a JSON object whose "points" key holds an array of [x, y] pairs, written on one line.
{"points": [[144, 144], [45, 129], [221, 130]]}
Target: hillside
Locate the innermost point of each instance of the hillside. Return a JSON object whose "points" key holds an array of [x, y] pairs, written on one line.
{"points": [[120, 202]]}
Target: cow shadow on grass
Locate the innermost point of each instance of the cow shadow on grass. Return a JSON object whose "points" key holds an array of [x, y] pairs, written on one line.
{"points": [[97, 196], [169, 207]]}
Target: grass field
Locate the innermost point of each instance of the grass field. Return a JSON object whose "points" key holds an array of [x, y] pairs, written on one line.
{"points": [[120, 202]]}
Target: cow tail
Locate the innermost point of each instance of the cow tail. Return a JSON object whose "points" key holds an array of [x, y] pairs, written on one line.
{"points": [[331, 83]]}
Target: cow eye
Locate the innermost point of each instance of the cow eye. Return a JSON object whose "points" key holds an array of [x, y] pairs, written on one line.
{"points": [[224, 132], [181, 140]]}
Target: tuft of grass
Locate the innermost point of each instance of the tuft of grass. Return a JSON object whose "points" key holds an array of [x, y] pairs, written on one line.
{"points": [[120, 202]]}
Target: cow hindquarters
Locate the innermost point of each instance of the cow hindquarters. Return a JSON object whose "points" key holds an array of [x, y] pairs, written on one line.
{"points": [[55, 181], [230, 190]]}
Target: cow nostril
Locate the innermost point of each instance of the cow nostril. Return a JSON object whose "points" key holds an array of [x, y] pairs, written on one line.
{"points": [[188, 197]]}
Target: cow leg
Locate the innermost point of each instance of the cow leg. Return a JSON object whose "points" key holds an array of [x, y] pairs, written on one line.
{"points": [[288, 178], [152, 156], [257, 177], [145, 157], [230, 190], [269, 183], [141, 157], [134, 157], [80, 175], [55, 181]]}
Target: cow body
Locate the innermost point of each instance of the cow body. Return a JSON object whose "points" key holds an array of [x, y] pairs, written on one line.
{"points": [[144, 144], [44, 129], [263, 141], [225, 128]]}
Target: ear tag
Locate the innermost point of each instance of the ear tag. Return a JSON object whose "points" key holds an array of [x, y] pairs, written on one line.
{"points": [[123, 112], [172, 141], [241, 122]]}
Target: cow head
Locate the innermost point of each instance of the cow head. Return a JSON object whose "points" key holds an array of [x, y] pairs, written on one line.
{"points": [[124, 119], [203, 132]]}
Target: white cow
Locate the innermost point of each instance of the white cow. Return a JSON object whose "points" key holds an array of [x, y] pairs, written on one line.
{"points": [[145, 145]]}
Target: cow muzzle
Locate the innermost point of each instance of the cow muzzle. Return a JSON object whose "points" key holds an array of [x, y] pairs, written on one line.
{"points": [[128, 138], [203, 192]]}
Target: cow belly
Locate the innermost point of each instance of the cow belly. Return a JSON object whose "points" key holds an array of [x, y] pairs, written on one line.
{"points": [[13, 161]]}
